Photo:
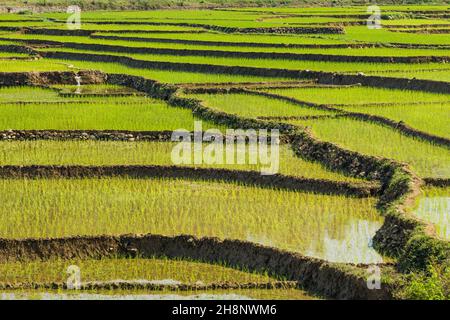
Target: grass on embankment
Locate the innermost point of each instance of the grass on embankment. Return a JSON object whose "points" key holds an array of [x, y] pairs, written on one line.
{"points": [[335, 228]]}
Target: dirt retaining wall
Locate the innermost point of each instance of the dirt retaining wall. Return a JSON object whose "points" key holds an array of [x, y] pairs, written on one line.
{"points": [[243, 54], [416, 249], [149, 286], [230, 43], [331, 280], [280, 30], [104, 135], [437, 182], [398, 183], [250, 178], [322, 77]]}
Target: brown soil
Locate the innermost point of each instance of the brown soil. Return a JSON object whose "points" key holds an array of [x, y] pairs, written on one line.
{"points": [[331, 280], [209, 174]]}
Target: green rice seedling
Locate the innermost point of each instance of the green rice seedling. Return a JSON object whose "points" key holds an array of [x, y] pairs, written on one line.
{"points": [[7, 42], [226, 61], [158, 270], [426, 74], [85, 94], [362, 33], [426, 159], [96, 89], [369, 51], [141, 153], [155, 15], [147, 114], [263, 63], [166, 76], [249, 105], [359, 95], [431, 118], [31, 66], [12, 55], [434, 207], [216, 294], [335, 228], [413, 70]]}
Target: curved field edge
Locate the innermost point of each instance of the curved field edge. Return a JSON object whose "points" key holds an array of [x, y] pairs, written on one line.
{"points": [[415, 245], [402, 235], [333, 280], [251, 178], [135, 274], [321, 77], [398, 126]]}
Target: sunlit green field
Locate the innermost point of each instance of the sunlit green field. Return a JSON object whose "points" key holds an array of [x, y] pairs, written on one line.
{"points": [[431, 118], [426, 159], [134, 269], [208, 55], [98, 153], [248, 105], [316, 225], [434, 207]]}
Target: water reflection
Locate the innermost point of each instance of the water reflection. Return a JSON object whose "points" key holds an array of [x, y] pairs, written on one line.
{"points": [[355, 245], [347, 243], [437, 211]]}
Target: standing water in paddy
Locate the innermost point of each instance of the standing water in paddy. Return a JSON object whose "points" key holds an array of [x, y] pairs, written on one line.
{"points": [[435, 208]]}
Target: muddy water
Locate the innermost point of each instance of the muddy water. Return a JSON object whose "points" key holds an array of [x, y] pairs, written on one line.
{"points": [[330, 227], [355, 246], [436, 210], [96, 296]]}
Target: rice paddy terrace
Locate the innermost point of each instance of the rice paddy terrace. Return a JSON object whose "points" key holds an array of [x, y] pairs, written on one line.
{"points": [[87, 178]]}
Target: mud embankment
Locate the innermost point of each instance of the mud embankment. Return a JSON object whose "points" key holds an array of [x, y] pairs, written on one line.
{"points": [[231, 43], [275, 30], [322, 77], [110, 135], [396, 125], [17, 49], [333, 280], [49, 78], [249, 178], [101, 135], [272, 30], [415, 247], [150, 286], [437, 182]]}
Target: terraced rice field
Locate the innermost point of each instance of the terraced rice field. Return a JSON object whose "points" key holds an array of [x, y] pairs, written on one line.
{"points": [[90, 122]]}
